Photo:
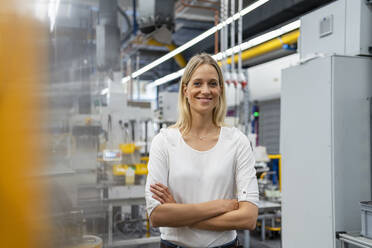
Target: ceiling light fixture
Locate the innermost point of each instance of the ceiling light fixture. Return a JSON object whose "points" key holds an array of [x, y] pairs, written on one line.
{"points": [[53, 7]]}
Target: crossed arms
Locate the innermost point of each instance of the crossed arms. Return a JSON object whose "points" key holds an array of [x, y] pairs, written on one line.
{"points": [[217, 215]]}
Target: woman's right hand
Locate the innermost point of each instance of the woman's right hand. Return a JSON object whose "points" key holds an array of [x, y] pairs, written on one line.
{"points": [[161, 193], [228, 205]]}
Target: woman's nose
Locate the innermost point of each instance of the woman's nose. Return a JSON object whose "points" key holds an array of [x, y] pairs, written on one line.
{"points": [[205, 88]]}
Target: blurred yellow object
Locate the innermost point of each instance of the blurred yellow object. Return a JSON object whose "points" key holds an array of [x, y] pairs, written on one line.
{"points": [[88, 121], [145, 159], [23, 197], [141, 169], [263, 175], [119, 169], [127, 148]]}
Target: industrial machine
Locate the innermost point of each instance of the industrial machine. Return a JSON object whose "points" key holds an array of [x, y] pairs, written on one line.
{"points": [[326, 126], [325, 147], [269, 218], [122, 166]]}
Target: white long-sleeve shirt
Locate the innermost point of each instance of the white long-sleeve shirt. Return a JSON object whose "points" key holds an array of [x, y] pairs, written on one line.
{"points": [[226, 171]]}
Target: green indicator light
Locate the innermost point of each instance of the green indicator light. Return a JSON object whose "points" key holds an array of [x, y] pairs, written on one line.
{"points": [[256, 114]]}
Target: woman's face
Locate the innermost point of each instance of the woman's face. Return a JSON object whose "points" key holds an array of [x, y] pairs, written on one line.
{"points": [[203, 90]]}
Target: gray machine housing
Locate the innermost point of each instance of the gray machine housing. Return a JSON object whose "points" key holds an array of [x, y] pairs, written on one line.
{"points": [[343, 27], [326, 148], [168, 107]]}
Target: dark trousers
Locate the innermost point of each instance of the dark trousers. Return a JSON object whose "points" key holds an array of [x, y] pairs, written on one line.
{"points": [[232, 244]]}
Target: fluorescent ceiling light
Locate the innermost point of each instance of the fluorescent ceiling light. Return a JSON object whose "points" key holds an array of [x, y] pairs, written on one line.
{"points": [[104, 91], [244, 46], [166, 78], [125, 79], [52, 12], [195, 40]]}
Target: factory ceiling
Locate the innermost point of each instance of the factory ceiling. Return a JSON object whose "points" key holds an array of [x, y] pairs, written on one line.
{"points": [[74, 39]]}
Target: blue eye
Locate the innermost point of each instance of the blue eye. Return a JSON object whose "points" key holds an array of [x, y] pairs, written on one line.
{"points": [[213, 84], [196, 83]]}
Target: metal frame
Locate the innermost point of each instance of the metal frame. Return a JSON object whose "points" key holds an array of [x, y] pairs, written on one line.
{"points": [[353, 239]]}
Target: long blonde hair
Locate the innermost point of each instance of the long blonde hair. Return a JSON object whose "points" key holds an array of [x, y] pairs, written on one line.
{"points": [[184, 113]]}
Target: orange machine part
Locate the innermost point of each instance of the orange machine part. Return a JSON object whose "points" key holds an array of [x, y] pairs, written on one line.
{"points": [[22, 199]]}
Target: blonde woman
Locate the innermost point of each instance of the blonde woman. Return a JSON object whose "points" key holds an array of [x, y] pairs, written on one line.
{"points": [[201, 185]]}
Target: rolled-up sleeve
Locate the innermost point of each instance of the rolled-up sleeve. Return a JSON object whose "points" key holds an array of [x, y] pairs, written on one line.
{"points": [[157, 170], [245, 174]]}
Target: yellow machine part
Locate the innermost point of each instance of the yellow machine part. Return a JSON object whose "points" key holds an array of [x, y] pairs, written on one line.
{"points": [[279, 157], [23, 198], [270, 228], [180, 60], [145, 159], [121, 169], [127, 148], [141, 169]]}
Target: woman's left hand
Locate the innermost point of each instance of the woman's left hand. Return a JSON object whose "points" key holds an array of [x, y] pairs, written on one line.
{"points": [[161, 193]]}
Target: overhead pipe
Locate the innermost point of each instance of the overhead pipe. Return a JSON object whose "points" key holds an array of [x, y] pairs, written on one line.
{"points": [[225, 41], [130, 27], [269, 46], [232, 41], [216, 21], [233, 74], [226, 38], [222, 32], [222, 35], [137, 79], [180, 60], [241, 78], [135, 24], [226, 13], [243, 81]]}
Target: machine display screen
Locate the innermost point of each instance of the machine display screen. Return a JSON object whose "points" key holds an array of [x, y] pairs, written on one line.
{"points": [[111, 155]]}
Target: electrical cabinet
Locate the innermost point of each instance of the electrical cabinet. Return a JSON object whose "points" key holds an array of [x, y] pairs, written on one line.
{"points": [[325, 147], [343, 27]]}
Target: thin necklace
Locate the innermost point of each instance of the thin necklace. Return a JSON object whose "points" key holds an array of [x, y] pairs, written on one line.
{"points": [[200, 137]]}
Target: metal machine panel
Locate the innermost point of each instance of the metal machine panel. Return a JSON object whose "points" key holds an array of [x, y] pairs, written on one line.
{"points": [[325, 146], [358, 39], [343, 27], [269, 125], [168, 106], [351, 142], [323, 30], [306, 155]]}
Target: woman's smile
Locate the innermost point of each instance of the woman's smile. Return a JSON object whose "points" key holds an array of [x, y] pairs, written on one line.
{"points": [[204, 99]]}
